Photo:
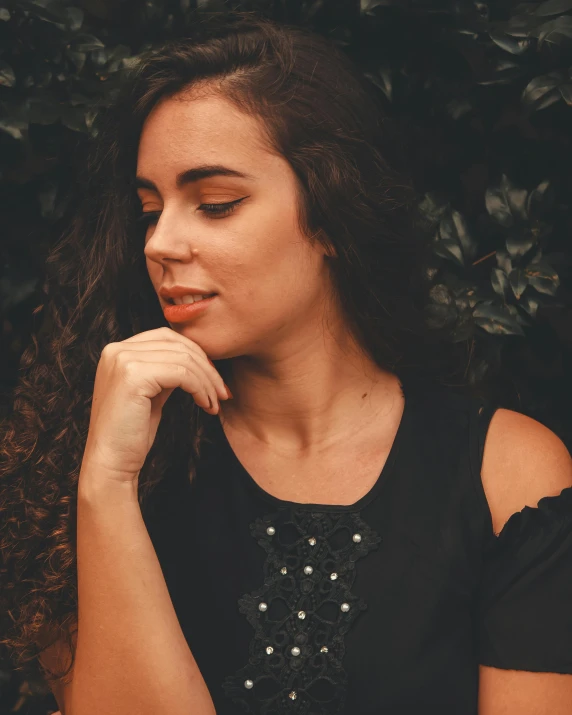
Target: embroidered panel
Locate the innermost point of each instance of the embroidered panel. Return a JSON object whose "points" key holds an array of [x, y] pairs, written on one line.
{"points": [[301, 613]]}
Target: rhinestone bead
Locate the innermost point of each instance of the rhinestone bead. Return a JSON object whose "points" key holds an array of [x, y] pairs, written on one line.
{"points": [[301, 615], [248, 684], [292, 695], [271, 531], [334, 576], [345, 607], [283, 570], [356, 538], [323, 649], [270, 650], [308, 570], [262, 606], [295, 651], [312, 541]]}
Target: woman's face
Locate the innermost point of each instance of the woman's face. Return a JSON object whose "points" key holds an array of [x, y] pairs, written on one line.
{"points": [[271, 284]]}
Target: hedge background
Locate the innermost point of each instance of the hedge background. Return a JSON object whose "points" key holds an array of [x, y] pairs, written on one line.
{"points": [[484, 91]]}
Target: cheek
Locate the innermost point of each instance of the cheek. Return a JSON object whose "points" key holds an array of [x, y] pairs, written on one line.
{"points": [[154, 271]]}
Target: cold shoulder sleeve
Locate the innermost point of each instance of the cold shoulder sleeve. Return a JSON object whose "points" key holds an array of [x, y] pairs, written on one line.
{"points": [[524, 603]]}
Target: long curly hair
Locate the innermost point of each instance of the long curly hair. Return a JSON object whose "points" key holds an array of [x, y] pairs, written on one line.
{"points": [[327, 120]]}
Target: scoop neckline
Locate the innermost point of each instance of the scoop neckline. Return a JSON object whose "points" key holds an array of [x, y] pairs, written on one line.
{"points": [[363, 501]]}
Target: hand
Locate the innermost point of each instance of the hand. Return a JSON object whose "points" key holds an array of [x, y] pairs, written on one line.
{"points": [[133, 381]]}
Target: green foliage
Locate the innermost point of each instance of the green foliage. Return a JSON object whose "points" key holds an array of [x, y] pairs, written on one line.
{"points": [[484, 91]]}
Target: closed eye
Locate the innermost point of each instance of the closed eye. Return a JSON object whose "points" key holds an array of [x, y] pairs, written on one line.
{"points": [[214, 210]]}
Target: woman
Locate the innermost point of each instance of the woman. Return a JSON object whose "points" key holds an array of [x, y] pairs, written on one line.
{"points": [[310, 524]]}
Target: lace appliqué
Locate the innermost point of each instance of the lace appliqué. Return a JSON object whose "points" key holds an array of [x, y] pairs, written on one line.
{"points": [[301, 613]]}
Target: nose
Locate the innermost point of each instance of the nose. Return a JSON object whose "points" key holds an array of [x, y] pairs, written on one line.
{"points": [[169, 239]]}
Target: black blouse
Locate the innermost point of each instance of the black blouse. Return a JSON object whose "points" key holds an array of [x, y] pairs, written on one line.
{"points": [[384, 606]]}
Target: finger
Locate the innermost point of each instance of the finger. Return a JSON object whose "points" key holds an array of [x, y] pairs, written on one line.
{"points": [[182, 357], [211, 373], [166, 374], [174, 341]]}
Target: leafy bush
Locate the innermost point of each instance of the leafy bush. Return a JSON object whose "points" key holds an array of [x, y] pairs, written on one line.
{"points": [[483, 93]]}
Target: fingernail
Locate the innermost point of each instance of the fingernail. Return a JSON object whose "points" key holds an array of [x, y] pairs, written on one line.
{"points": [[228, 390]]}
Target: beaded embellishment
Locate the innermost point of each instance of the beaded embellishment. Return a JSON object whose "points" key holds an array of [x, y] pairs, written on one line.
{"points": [[301, 613]]}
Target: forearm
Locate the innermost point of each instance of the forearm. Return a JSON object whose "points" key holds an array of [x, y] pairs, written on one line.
{"points": [[132, 656]]}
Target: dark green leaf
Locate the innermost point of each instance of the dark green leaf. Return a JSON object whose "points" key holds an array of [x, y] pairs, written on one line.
{"points": [[439, 293], [553, 7], [510, 44], [458, 108], [506, 71], [383, 80], [554, 32], [506, 203], [548, 100], [131, 62], [499, 281], [448, 249], [529, 303], [517, 279], [74, 17], [117, 54], [496, 319], [74, 118], [433, 206], [463, 330], [543, 278], [78, 58], [99, 57], [7, 76], [11, 127], [522, 25], [47, 197], [520, 241], [540, 199], [504, 260], [453, 239], [85, 43], [438, 316], [566, 92], [538, 87], [49, 10]]}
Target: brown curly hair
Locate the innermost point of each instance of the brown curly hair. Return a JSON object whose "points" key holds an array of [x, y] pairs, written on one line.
{"points": [[327, 121]]}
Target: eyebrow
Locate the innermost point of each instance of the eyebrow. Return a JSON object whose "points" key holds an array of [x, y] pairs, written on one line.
{"points": [[190, 176]]}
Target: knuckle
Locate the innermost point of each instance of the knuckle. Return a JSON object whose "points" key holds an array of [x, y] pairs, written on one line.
{"points": [[108, 349], [129, 367], [182, 369]]}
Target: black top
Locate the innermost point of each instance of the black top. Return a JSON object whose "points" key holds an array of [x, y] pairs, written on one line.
{"points": [[385, 606]]}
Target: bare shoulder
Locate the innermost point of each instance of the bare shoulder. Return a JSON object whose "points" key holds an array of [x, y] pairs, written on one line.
{"points": [[523, 461]]}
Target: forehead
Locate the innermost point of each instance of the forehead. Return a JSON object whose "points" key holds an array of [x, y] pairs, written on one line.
{"points": [[180, 130]]}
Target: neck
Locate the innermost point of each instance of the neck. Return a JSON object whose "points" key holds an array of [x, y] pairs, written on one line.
{"points": [[306, 401]]}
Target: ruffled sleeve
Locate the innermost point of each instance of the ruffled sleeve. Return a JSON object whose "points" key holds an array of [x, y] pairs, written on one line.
{"points": [[525, 593]]}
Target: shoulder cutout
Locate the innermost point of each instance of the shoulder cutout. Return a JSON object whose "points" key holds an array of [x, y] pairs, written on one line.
{"points": [[523, 461]]}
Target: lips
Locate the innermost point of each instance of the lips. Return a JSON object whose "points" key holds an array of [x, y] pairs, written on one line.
{"points": [[168, 292], [186, 311], [171, 301]]}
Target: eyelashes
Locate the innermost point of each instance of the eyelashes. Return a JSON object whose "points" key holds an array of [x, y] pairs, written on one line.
{"points": [[213, 210]]}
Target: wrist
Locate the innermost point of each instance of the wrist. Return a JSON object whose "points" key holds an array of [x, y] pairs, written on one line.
{"points": [[96, 481]]}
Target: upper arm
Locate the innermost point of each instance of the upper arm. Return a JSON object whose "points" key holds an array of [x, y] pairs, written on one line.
{"points": [[523, 461], [520, 692]]}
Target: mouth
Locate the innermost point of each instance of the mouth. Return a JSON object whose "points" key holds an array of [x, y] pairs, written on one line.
{"points": [[171, 301]]}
